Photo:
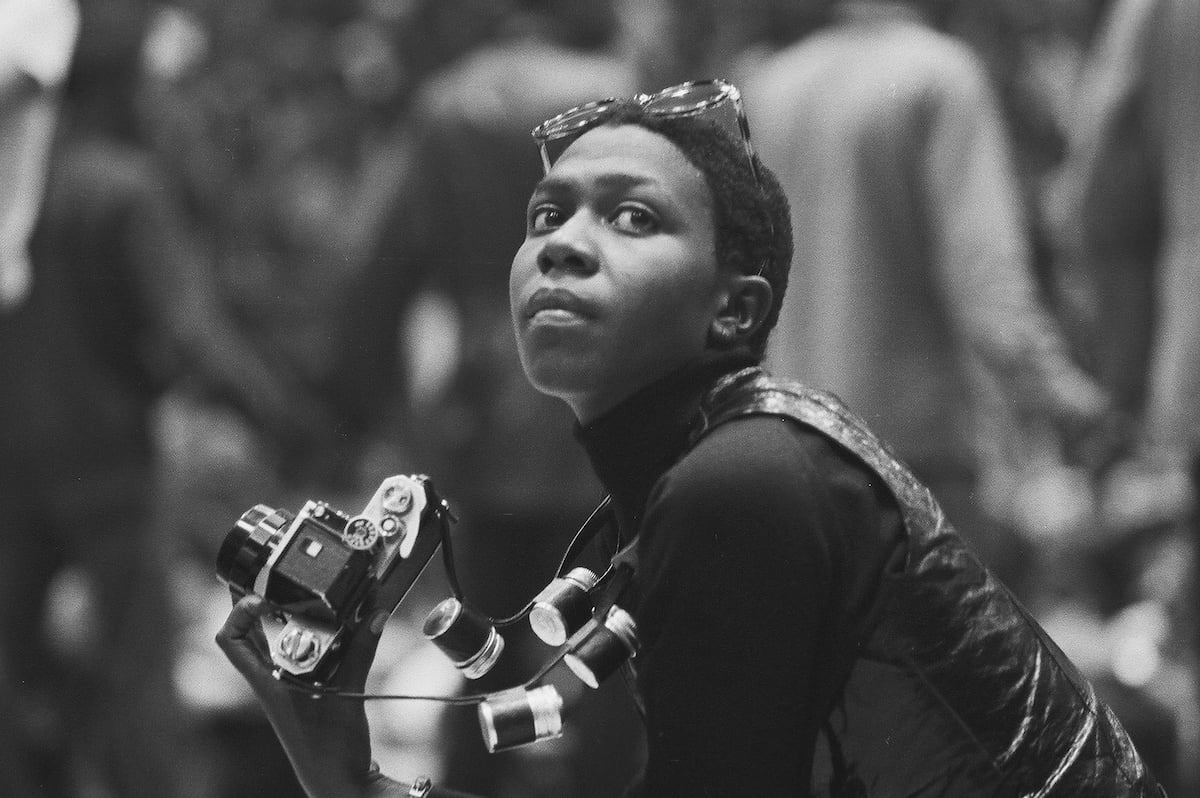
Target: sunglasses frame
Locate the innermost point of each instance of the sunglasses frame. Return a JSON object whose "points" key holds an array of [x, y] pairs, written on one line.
{"points": [[573, 122]]}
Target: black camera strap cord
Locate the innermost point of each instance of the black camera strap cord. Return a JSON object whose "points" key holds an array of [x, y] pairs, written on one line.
{"points": [[599, 518]]}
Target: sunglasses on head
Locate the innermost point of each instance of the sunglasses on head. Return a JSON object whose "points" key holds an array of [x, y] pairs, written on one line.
{"points": [[717, 101]]}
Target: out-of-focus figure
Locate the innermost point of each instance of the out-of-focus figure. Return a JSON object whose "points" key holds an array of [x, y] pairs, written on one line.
{"points": [[37, 38], [122, 305], [1033, 52], [921, 308], [431, 355], [264, 118], [1126, 212], [1125, 209], [915, 234]]}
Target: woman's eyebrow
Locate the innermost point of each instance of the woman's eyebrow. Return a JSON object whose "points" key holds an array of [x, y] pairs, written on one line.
{"points": [[607, 181]]}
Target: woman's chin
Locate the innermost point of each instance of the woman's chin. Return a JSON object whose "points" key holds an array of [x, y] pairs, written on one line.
{"points": [[560, 377]]}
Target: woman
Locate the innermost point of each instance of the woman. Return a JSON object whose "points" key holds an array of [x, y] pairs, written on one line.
{"points": [[808, 621]]}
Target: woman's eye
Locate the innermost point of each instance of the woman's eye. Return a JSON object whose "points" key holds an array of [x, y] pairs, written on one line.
{"points": [[635, 219], [546, 217]]}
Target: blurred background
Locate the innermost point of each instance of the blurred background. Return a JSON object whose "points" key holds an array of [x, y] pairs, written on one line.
{"points": [[257, 251]]}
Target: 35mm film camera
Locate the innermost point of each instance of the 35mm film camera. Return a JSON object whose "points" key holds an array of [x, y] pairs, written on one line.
{"points": [[327, 572]]}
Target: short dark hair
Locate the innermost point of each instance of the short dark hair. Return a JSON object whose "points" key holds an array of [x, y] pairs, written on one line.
{"points": [[752, 223]]}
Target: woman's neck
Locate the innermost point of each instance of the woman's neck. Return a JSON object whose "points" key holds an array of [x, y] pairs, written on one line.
{"points": [[593, 405], [638, 439]]}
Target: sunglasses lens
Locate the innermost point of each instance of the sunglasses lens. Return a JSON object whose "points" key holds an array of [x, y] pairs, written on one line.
{"points": [[573, 120], [555, 135], [687, 99], [713, 101]]}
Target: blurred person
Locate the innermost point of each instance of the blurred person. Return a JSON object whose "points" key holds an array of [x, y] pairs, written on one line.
{"points": [[796, 612], [275, 122], [1126, 213], [920, 306], [37, 38], [1033, 52], [428, 358], [671, 40], [255, 113], [36, 43], [1126, 207], [925, 312], [122, 304]]}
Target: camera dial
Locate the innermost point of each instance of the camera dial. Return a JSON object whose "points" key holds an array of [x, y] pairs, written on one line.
{"points": [[361, 533]]}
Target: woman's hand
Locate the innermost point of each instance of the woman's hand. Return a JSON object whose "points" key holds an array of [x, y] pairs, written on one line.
{"points": [[325, 738]]}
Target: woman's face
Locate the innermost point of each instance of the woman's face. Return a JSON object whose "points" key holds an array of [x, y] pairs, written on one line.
{"points": [[617, 282]]}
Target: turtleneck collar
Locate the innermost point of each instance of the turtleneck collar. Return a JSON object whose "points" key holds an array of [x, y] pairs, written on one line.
{"points": [[634, 443]]}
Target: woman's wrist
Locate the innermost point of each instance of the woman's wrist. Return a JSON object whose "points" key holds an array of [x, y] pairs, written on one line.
{"points": [[380, 786]]}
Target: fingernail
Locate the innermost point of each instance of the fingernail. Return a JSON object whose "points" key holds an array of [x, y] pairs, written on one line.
{"points": [[377, 622]]}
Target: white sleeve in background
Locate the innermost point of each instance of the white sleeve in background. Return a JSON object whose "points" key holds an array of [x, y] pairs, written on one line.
{"points": [[37, 40], [37, 37]]}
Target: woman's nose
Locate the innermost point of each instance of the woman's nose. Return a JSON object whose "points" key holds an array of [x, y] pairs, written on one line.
{"points": [[568, 248]]}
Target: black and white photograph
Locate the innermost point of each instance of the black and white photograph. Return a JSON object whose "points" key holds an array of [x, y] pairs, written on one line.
{"points": [[599, 398]]}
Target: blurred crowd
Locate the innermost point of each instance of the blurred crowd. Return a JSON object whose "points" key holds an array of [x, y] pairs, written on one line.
{"points": [[257, 252]]}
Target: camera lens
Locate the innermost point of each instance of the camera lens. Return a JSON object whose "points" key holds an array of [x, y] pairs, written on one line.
{"points": [[520, 716], [563, 606], [249, 544], [465, 636], [603, 647]]}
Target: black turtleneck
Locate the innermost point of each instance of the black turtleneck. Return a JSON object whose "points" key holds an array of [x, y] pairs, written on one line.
{"points": [[634, 443], [759, 555]]}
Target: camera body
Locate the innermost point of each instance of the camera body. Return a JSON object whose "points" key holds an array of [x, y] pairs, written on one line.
{"points": [[326, 572]]}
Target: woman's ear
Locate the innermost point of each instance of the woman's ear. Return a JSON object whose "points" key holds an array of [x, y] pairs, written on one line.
{"points": [[744, 308]]}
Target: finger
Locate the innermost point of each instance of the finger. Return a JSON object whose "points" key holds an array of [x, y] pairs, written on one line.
{"points": [[359, 651], [242, 640]]}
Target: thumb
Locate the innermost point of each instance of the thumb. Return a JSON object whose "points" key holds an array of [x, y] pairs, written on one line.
{"points": [[243, 641]]}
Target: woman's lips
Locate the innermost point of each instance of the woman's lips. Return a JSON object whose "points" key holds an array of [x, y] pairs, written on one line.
{"points": [[557, 304]]}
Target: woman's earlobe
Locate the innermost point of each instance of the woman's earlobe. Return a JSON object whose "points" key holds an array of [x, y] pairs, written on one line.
{"points": [[722, 333]]}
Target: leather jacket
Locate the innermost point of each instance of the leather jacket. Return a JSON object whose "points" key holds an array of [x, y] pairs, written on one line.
{"points": [[956, 691]]}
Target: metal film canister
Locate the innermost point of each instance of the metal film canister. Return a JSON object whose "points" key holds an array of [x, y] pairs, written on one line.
{"points": [[465, 636], [601, 648], [563, 606], [519, 717]]}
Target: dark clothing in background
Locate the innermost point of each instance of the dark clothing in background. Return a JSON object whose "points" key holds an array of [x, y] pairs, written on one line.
{"points": [[76, 481], [124, 305], [1126, 207], [1126, 213], [80, 384]]}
